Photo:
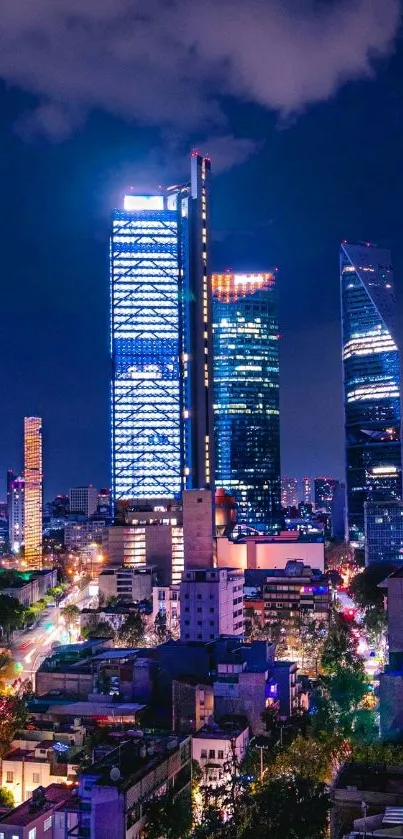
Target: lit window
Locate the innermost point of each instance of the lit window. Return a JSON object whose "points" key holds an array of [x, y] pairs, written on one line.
{"points": [[32, 833], [47, 823]]}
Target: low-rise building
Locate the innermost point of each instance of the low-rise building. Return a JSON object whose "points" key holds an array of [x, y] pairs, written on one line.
{"points": [[296, 592], [211, 603], [192, 704], [166, 599], [364, 789], [23, 770], [27, 586], [80, 535], [219, 750], [131, 584], [42, 816], [114, 792]]}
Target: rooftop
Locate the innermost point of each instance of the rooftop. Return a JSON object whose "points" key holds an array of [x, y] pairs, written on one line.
{"points": [[225, 730], [135, 758], [96, 709], [370, 777], [55, 795]]}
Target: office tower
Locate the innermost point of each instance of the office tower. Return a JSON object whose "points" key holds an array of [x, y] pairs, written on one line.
{"points": [[83, 500], [33, 491], [246, 393], [306, 491], [15, 506], [324, 491], [383, 532], [211, 603], [289, 492], [160, 341], [371, 380]]}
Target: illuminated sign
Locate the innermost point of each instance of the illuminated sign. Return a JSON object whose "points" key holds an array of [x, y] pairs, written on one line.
{"points": [[134, 203]]}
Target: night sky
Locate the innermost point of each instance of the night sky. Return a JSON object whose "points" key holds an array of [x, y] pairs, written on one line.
{"points": [[302, 114]]}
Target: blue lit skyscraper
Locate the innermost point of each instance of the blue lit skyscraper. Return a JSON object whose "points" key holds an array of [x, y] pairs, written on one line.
{"points": [[371, 380], [246, 394], [160, 341]]}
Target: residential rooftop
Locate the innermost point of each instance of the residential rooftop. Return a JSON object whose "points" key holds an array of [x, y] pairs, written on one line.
{"points": [[226, 729], [135, 758], [371, 777], [55, 795]]}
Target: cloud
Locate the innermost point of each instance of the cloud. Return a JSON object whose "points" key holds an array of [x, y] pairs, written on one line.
{"points": [[173, 63]]}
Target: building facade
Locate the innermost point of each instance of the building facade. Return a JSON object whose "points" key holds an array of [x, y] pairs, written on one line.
{"points": [[306, 491], [289, 492], [83, 500], [324, 492], [371, 369], [131, 584], [33, 478], [211, 603], [15, 508], [246, 393], [296, 593], [383, 532], [161, 398]]}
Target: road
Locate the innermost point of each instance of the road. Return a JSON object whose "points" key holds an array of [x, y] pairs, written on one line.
{"points": [[374, 659], [31, 646]]}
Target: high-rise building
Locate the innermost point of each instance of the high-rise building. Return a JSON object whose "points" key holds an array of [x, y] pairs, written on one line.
{"points": [[15, 507], [83, 500], [33, 491], [371, 380], [324, 492], [161, 341], [246, 393], [306, 491], [383, 532], [289, 492]]}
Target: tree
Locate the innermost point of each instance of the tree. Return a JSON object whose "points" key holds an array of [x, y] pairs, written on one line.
{"points": [[131, 633], [6, 668], [290, 806], [160, 626], [339, 647], [375, 623], [6, 798], [56, 592], [71, 615], [13, 712], [96, 628], [169, 816], [309, 758], [12, 615], [364, 587]]}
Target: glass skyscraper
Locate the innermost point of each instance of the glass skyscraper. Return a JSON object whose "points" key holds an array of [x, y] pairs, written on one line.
{"points": [[371, 380], [161, 401], [246, 394]]}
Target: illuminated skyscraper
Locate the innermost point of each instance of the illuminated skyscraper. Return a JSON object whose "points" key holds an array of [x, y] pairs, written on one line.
{"points": [[324, 492], [289, 492], [246, 393], [161, 341], [306, 491], [33, 491], [371, 380]]}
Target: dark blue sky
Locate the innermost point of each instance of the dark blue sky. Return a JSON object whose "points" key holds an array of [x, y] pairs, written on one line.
{"points": [[334, 172]]}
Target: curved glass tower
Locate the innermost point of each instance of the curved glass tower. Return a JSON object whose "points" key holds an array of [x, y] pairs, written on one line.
{"points": [[246, 394], [371, 380]]}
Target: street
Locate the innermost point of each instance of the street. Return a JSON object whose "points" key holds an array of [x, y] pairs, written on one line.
{"points": [[31, 646]]}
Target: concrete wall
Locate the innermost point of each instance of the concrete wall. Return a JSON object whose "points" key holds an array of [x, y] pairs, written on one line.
{"points": [[198, 528]]}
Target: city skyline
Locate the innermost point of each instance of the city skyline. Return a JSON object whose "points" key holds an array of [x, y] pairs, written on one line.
{"points": [[302, 190]]}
